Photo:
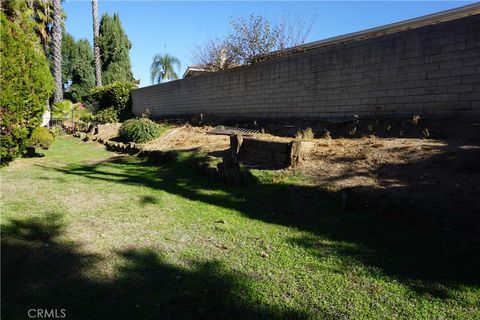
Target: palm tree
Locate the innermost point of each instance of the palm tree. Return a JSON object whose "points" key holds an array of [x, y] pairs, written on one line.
{"points": [[64, 109], [162, 68], [42, 15], [57, 50], [96, 48], [42, 12]]}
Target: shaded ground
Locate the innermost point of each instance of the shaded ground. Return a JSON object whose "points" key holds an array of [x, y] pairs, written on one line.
{"points": [[407, 167], [39, 271], [403, 177], [108, 236]]}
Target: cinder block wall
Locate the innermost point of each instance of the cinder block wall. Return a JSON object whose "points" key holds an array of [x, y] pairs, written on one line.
{"points": [[432, 71]]}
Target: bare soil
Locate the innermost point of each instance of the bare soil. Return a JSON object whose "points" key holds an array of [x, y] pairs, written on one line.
{"points": [[187, 137], [400, 174], [108, 131]]}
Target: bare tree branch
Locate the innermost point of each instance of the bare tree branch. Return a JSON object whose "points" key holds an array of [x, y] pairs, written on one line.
{"points": [[250, 41]]}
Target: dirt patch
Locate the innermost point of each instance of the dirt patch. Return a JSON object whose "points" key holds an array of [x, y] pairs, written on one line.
{"points": [[187, 137], [184, 137], [408, 179], [108, 131], [354, 162]]}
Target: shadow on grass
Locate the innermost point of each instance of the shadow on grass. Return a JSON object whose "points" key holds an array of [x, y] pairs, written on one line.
{"points": [[420, 254], [41, 271]]}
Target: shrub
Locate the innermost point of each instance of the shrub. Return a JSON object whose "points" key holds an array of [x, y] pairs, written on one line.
{"points": [[56, 130], [85, 115], [140, 130], [108, 115], [306, 134], [25, 81], [41, 138], [117, 95]]}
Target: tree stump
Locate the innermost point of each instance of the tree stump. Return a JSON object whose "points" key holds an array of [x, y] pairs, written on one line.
{"points": [[229, 169]]}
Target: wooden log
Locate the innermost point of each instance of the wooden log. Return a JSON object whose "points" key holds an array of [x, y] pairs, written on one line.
{"points": [[235, 145], [295, 152], [275, 146], [281, 158], [276, 152]]}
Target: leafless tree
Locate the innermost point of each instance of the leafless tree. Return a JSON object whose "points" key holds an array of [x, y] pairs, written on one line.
{"points": [[214, 55], [252, 37], [293, 32], [251, 40]]}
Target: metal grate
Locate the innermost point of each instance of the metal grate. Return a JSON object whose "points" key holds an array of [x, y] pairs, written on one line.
{"points": [[233, 130]]}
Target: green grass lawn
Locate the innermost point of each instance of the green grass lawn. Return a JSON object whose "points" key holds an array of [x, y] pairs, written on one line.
{"points": [[106, 236]]}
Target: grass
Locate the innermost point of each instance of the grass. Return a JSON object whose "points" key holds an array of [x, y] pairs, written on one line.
{"points": [[109, 236]]}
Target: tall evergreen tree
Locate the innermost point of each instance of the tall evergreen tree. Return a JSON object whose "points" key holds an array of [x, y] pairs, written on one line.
{"points": [[77, 67], [114, 50], [25, 80], [68, 47], [82, 71]]}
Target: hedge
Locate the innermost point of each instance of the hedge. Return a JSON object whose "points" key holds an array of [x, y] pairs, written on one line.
{"points": [[117, 95], [26, 84]]}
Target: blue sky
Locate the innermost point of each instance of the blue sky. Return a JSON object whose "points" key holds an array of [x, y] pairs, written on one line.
{"points": [[178, 27]]}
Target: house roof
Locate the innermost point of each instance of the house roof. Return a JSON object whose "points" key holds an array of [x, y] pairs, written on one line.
{"points": [[196, 68]]}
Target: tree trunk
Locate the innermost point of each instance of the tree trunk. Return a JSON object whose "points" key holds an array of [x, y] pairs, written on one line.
{"points": [[57, 50], [96, 48]]}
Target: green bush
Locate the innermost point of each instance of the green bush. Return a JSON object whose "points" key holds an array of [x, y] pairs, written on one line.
{"points": [[85, 115], [56, 130], [117, 95], [41, 138], [108, 115], [25, 81], [140, 130]]}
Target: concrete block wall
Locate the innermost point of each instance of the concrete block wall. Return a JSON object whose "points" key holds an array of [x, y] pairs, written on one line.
{"points": [[433, 71]]}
